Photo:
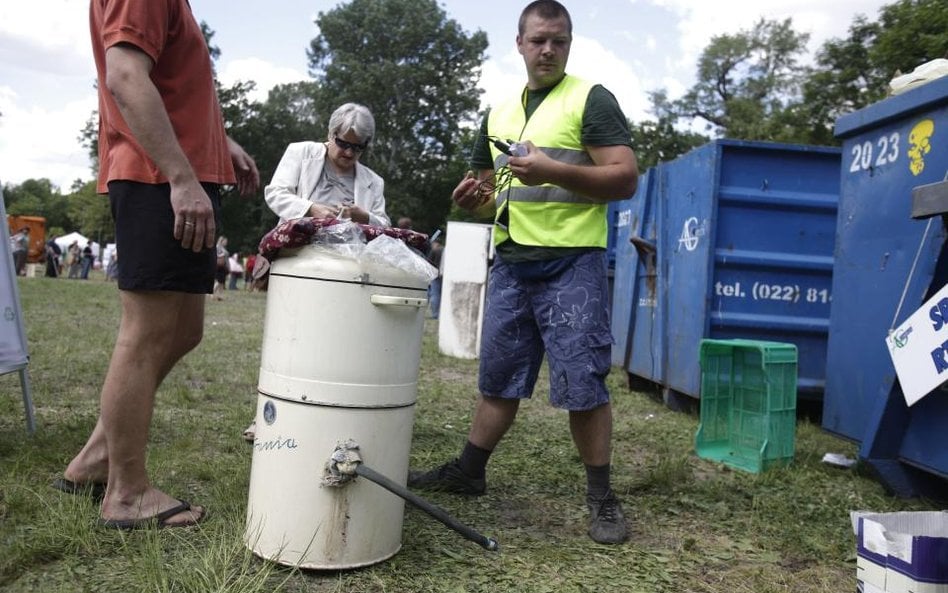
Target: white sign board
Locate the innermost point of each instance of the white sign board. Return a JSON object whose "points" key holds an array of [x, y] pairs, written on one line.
{"points": [[467, 249], [13, 354], [919, 348]]}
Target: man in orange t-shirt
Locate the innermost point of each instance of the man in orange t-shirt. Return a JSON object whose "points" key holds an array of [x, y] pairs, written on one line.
{"points": [[163, 154]]}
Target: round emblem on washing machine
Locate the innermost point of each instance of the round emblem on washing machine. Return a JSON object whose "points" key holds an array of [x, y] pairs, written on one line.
{"points": [[269, 412]]}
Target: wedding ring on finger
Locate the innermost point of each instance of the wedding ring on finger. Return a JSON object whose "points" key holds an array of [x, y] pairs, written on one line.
{"points": [[188, 223]]}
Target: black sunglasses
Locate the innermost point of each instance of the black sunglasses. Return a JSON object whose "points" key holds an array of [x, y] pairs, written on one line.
{"points": [[343, 145]]}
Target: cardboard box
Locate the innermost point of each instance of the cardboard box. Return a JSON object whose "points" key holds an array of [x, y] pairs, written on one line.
{"points": [[904, 552]]}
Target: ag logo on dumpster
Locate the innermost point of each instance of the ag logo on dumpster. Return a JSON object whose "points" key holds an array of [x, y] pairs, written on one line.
{"points": [[690, 233]]}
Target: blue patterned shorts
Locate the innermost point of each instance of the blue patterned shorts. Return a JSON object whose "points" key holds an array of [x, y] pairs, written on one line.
{"points": [[565, 316]]}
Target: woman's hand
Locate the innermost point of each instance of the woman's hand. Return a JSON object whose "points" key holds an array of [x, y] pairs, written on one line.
{"points": [[323, 211], [355, 213]]}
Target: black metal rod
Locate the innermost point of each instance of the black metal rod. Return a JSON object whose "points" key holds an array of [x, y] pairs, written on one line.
{"points": [[432, 509]]}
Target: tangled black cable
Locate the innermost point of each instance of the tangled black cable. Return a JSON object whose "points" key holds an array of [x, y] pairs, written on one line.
{"points": [[499, 182]]}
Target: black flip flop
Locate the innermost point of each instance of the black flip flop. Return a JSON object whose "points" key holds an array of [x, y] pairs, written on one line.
{"points": [[159, 520], [94, 490]]}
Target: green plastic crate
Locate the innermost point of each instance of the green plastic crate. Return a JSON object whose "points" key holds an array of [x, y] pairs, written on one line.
{"points": [[748, 403]]}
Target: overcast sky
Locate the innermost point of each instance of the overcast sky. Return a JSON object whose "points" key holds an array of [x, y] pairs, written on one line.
{"points": [[631, 46]]}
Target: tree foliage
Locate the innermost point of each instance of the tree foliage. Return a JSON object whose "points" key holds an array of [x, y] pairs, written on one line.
{"points": [[843, 81], [417, 71], [746, 81], [38, 197], [290, 114], [854, 72], [911, 32], [90, 212]]}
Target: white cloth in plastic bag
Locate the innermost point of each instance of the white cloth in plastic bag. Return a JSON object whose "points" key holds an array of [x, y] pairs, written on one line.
{"points": [[347, 240]]}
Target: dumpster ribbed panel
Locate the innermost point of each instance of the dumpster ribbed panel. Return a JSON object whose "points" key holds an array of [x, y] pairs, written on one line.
{"points": [[763, 259], [744, 235]]}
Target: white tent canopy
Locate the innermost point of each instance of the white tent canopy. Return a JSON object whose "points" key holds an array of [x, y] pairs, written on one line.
{"points": [[66, 240]]}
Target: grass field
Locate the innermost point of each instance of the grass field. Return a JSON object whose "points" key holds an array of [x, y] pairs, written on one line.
{"points": [[696, 526]]}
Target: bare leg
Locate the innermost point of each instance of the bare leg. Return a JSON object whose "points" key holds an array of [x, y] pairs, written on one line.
{"points": [[91, 464], [493, 417], [592, 433], [157, 329]]}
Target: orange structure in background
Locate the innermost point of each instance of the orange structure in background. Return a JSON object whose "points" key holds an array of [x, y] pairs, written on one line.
{"points": [[37, 224]]}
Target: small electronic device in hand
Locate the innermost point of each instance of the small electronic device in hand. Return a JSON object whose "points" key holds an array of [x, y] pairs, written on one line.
{"points": [[518, 149], [510, 148]]}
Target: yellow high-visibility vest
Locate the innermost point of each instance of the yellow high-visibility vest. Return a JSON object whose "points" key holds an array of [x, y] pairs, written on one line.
{"points": [[547, 215]]}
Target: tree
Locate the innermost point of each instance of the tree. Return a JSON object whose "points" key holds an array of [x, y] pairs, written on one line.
{"points": [[90, 212], [746, 81], [38, 197], [843, 81], [417, 71], [854, 72], [290, 114], [911, 32], [659, 140]]}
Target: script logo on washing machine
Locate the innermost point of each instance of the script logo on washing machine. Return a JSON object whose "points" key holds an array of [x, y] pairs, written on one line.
{"points": [[269, 412], [690, 233]]}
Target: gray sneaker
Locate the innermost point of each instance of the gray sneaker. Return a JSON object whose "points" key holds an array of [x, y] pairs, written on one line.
{"points": [[606, 521], [447, 478]]}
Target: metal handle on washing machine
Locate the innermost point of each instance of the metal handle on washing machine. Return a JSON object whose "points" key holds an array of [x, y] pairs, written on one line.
{"points": [[397, 301]]}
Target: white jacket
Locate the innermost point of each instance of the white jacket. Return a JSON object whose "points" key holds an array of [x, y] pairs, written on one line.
{"points": [[295, 179]]}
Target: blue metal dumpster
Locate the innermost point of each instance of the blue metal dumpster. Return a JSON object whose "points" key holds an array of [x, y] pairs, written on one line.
{"points": [[629, 218], [887, 264], [743, 234]]}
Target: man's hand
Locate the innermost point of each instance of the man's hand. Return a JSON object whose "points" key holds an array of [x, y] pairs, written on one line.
{"points": [[194, 222], [533, 168], [248, 177], [474, 192]]}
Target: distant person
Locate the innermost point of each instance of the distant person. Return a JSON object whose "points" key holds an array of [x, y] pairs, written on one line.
{"points": [[20, 248], [53, 264], [547, 294], [222, 269], [111, 270], [404, 223], [235, 270], [326, 179], [163, 154], [74, 259], [248, 271], [434, 289], [88, 259]]}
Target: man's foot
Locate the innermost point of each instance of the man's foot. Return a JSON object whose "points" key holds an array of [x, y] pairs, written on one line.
{"points": [[250, 433], [447, 478], [152, 508], [95, 490], [159, 520], [606, 521]]}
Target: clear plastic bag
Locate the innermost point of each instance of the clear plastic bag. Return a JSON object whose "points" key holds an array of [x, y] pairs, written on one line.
{"points": [[347, 240], [385, 250]]}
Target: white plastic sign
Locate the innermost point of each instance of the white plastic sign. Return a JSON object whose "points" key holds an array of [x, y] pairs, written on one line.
{"points": [[919, 348]]}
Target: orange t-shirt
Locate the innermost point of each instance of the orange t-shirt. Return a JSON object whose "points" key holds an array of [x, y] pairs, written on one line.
{"points": [[182, 73]]}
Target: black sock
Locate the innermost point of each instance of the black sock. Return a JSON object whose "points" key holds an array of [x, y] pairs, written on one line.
{"points": [[473, 460], [597, 480]]}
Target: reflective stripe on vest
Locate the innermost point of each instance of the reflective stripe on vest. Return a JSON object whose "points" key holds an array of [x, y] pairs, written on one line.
{"points": [[547, 215]]}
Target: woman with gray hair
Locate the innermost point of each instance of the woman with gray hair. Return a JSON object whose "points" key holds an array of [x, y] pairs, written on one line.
{"points": [[326, 179]]}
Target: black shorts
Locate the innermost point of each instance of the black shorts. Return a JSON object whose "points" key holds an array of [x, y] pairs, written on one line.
{"points": [[150, 258]]}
